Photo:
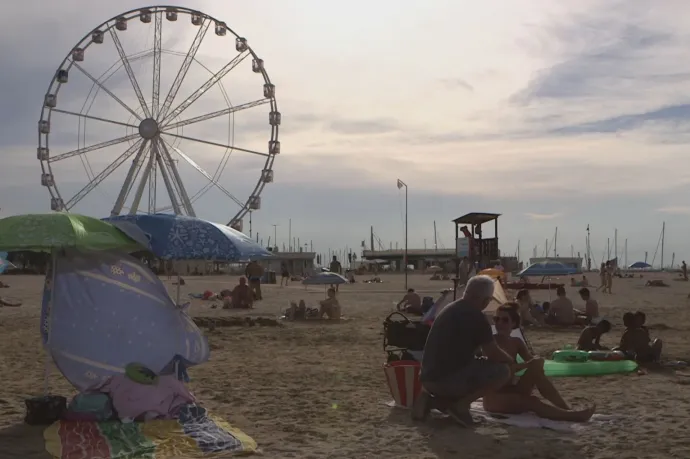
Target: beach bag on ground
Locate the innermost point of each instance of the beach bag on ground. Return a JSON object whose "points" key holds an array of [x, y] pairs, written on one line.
{"points": [[43, 411], [401, 332], [402, 377], [90, 407]]}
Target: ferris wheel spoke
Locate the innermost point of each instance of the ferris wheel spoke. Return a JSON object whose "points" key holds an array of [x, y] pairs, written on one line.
{"points": [[132, 174], [106, 90], [216, 114], [157, 30], [95, 118], [207, 175], [177, 180], [184, 68], [215, 144], [171, 185], [130, 72], [98, 146], [205, 87], [102, 175]]}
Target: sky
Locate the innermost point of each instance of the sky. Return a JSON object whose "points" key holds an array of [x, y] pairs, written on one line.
{"points": [[554, 114]]}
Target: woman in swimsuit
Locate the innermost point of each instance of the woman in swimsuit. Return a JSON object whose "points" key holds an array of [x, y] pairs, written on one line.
{"points": [[516, 397]]}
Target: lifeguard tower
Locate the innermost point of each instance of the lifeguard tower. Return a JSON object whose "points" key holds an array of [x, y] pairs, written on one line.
{"points": [[471, 242]]}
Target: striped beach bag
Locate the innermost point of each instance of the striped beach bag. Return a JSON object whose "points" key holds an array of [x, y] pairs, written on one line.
{"points": [[402, 377]]}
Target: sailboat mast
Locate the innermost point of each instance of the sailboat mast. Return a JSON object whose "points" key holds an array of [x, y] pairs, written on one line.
{"points": [[589, 256], [626, 251], [615, 243], [518, 252], [435, 237], [663, 236], [555, 243], [608, 248]]}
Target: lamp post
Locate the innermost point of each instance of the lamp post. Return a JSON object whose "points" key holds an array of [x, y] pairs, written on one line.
{"points": [[275, 235], [400, 185]]}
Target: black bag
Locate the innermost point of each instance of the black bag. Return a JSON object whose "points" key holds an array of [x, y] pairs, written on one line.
{"points": [[43, 411], [404, 333]]}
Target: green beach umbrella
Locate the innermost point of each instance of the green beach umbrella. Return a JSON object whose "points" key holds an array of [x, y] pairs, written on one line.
{"points": [[47, 232]]}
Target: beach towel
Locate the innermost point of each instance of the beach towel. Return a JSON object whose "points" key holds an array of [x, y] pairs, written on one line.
{"points": [[531, 420], [194, 434]]}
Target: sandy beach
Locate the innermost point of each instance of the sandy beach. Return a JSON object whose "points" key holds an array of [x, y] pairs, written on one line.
{"points": [[317, 390]]}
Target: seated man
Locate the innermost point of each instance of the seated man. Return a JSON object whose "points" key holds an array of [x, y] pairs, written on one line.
{"points": [[411, 303], [635, 342], [590, 336], [561, 310], [450, 369], [241, 296], [330, 307], [591, 306]]}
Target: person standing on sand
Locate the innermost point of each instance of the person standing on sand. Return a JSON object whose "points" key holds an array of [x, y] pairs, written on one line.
{"points": [[335, 267], [450, 368], [684, 268], [609, 277], [602, 277]]}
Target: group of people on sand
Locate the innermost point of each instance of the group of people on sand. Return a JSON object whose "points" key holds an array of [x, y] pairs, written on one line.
{"points": [[559, 312], [454, 374], [329, 308], [635, 343]]}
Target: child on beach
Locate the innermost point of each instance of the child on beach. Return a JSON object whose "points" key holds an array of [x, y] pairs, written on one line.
{"points": [[590, 336], [636, 342]]}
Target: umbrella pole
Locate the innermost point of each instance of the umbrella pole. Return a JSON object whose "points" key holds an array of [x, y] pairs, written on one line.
{"points": [[46, 375], [178, 289]]}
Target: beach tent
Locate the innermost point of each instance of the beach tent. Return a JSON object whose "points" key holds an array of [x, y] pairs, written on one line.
{"points": [[548, 268], [103, 311], [640, 265], [447, 297]]}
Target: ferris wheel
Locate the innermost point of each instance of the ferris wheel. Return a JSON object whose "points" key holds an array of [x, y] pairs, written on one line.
{"points": [[139, 104]]}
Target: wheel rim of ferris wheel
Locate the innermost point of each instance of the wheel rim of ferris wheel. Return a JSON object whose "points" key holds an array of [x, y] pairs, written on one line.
{"points": [[155, 122]]}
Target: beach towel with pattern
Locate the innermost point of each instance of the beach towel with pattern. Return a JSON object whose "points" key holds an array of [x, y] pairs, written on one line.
{"points": [[194, 434]]}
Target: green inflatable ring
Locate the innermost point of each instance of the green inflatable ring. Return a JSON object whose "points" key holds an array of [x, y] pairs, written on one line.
{"points": [[141, 374], [589, 368]]}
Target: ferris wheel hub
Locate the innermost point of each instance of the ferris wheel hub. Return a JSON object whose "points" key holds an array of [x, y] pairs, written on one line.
{"points": [[148, 128]]}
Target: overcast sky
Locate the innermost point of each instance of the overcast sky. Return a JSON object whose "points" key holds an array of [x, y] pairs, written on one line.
{"points": [[554, 114]]}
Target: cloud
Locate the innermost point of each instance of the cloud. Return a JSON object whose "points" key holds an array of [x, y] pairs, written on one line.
{"points": [[364, 127], [677, 210], [456, 83], [535, 216]]}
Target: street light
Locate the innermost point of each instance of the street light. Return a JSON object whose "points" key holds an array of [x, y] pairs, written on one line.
{"points": [[275, 235], [400, 185]]}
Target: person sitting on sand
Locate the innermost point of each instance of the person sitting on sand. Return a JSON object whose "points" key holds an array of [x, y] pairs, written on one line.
{"points": [[526, 308], [635, 342], [451, 371], [591, 311], [516, 396], [241, 296], [561, 311], [411, 303], [590, 336], [330, 307]]}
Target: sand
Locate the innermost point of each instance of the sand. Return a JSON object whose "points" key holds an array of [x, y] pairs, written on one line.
{"points": [[317, 390]]}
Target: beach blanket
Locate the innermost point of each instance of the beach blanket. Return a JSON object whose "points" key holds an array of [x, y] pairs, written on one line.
{"points": [[195, 434], [527, 420], [531, 420]]}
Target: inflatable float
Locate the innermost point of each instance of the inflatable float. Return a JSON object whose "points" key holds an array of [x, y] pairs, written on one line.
{"points": [[569, 362]]}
